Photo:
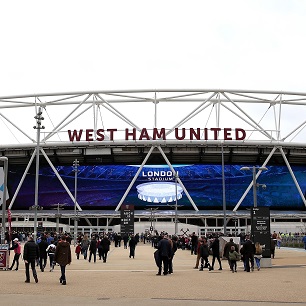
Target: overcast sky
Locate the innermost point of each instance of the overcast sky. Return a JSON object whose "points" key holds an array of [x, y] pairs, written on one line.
{"points": [[60, 46]]}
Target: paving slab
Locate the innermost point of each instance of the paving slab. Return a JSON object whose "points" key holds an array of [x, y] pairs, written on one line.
{"points": [[127, 281]]}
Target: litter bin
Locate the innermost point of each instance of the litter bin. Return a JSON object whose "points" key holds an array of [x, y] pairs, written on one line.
{"points": [[4, 256]]}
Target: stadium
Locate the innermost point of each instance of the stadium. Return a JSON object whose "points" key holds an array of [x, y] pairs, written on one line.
{"points": [[185, 159]]}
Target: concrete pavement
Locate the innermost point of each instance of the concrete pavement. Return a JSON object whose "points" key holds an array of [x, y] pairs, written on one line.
{"points": [[128, 281]]}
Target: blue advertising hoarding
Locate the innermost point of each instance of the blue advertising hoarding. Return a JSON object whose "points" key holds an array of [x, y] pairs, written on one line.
{"points": [[103, 186]]}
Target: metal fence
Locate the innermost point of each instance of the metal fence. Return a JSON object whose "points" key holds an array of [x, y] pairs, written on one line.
{"points": [[292, 241]]}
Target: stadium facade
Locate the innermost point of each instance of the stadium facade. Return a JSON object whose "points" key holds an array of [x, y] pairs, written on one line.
{"points": [[175, 155]]}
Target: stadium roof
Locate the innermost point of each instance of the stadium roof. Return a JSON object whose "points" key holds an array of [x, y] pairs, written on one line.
{"points": [[194, 126], [155, 127]]}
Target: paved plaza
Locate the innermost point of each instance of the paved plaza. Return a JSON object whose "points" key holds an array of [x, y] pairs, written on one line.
{"points": [[127, 281]]}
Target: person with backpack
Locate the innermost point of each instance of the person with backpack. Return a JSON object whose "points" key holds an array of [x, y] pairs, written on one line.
{"points": [[51, 252]]}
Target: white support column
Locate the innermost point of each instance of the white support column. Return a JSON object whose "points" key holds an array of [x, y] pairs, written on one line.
{"points": [[293, 176], [134, 178], [251, 184], [178, 179], [60, 179], [5, 166]]}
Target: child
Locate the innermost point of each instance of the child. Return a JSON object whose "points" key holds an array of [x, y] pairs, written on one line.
{"points": [[78, 250], [233, 256]]}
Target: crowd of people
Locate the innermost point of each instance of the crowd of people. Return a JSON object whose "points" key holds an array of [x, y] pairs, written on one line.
{"points": [[249, 252], [35, 253], [57, 249]]}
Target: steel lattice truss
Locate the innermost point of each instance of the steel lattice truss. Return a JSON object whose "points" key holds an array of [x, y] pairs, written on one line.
{"points": [[274, 125], [268, 117]]}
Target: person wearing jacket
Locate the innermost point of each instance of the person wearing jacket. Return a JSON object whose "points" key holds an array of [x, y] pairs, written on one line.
{"points": [[198, 253], [215, 248], [248, 254], [204, 254], [125, 240], [173, 243], [194, 243], [63, 257], [93, 249], [30, 255], [132, 246], [51, 252], [164, 247], [43, 245], [105, 245], [84, 246], [233, 256], [17, 252], [227, 249]]}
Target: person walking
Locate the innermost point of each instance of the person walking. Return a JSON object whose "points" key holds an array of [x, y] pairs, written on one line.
{"points": [[93, 249], [272, 247], [173, 242], [132, 246], [119, 240], [258, 254], [105, 246], [125, 240], [233, 256], [204, 254], [51, 252], [194, 243], [248, 254], [198, 253], [227, 249], [43, 245], [30, 255], [99, 247], [164, 247], [278, 240], [78, 250], [63, 257], [304, 241], [17, 252], [84, 245], [215, 248]]}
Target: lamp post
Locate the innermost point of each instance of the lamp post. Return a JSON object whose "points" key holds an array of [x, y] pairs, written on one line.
{"points": [[175, 205], [5, 160], [152, 209], [254, 170], [235, 222], [75, 169], [38, 127], [58, 207]]}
